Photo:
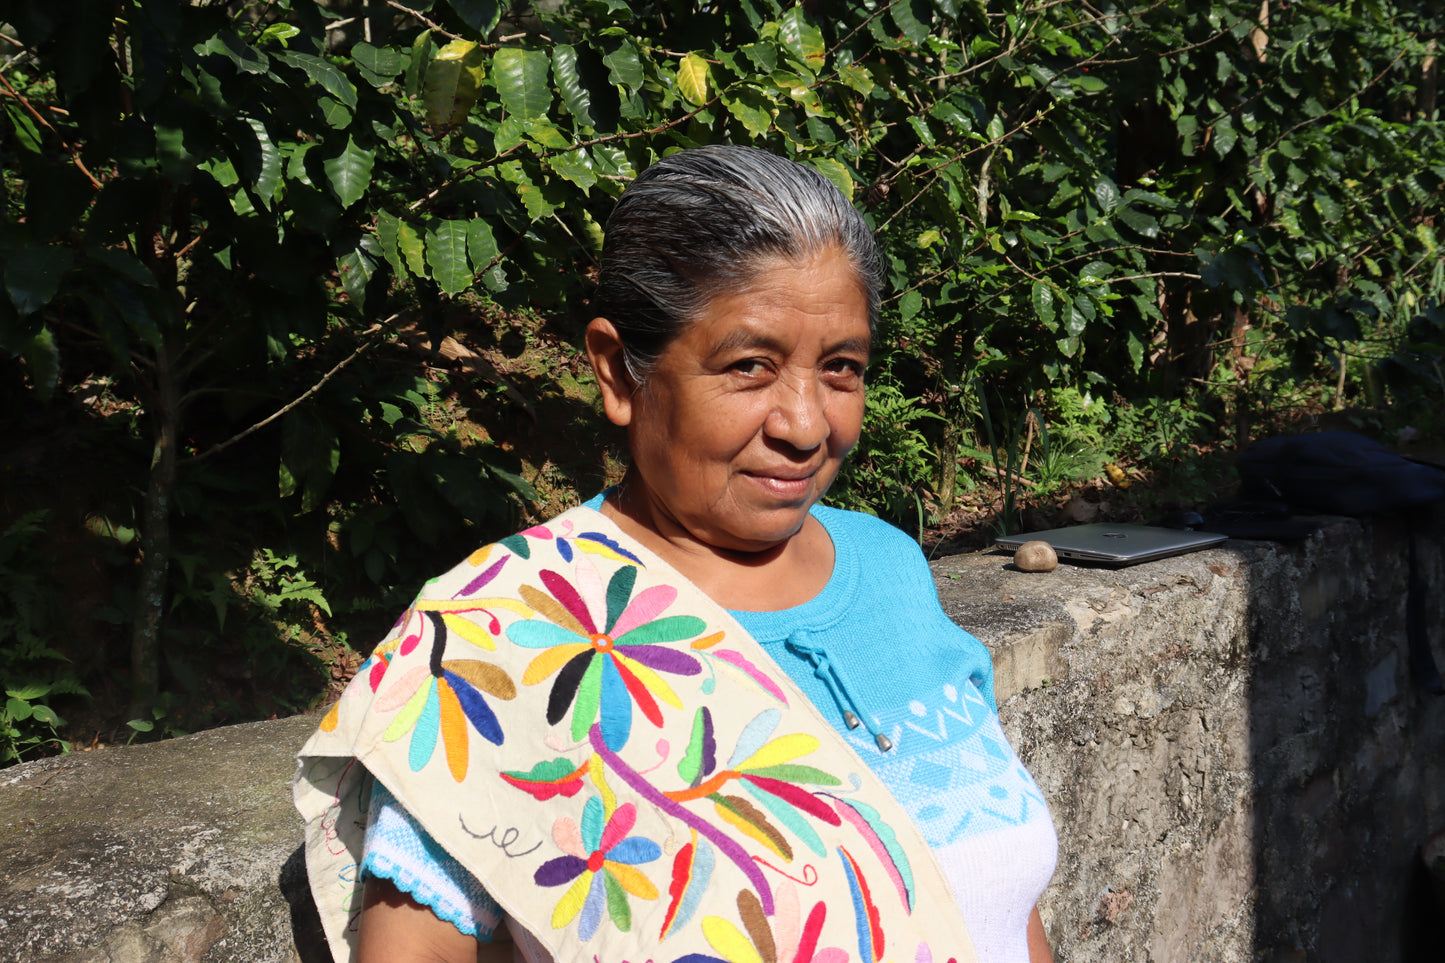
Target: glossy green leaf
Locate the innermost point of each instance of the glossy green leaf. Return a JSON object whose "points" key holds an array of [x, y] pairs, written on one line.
{"points": [[409, 241], [575, 96], [422, 51], [446, 255], [522, 79], [27, 135], [480, 15], [265, 172], [381, 64], [388, 237], [1042, 297], [350, 172], [481, 245], [911, 17], [356, 268], [42, 362], [576, 167], [802, 38], [624, 64], [324, 73], [835, 172], [336, 114], [750, 107]]}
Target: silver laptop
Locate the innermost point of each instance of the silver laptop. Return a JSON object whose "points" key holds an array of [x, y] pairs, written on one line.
{"points": [[1116, 544]]}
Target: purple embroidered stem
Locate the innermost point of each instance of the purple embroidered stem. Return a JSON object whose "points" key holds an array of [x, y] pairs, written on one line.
{"points": [[731, 849]]}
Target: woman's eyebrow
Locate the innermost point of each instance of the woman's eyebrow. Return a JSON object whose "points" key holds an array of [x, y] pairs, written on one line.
{"points": [[743, 338]]}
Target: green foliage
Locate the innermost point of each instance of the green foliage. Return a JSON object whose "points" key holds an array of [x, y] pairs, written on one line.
{"points": [[258, 225], [893, 464], [35, 673]]}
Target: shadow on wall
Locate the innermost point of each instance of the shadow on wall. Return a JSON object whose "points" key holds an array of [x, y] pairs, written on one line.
{"points": [[1344, 751], [311, 946]]}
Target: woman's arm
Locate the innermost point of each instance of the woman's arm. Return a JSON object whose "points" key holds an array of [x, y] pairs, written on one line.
{"points": [[1039, 951], [397, 929]]}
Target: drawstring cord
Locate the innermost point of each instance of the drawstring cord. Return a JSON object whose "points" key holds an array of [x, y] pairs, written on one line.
{"points": [[832, 678]]}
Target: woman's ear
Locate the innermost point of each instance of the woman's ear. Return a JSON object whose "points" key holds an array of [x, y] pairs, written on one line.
{"points": [[604, 349]]}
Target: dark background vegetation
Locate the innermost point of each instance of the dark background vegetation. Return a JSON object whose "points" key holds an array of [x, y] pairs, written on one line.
{"points": [[293, 290]]}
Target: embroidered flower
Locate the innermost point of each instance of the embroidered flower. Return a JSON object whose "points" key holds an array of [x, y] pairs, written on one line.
{"points": [[594, 543], [440, 698], [788, 936], [605, 665], [600, 864]]}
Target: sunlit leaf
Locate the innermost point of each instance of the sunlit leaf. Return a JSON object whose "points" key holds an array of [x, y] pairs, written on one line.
{"points": [[692, 79], [625, 65], [521, 77], [266, 162], [481, 245], [453, 81], [802, 38]]}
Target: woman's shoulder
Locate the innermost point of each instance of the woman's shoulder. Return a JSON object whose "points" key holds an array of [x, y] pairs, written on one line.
{"points": [[866, 532]]}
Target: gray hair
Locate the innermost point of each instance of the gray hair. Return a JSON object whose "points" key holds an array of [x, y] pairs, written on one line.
{"points": [[700, 224]]}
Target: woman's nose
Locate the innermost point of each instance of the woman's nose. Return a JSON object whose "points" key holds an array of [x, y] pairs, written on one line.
{"points": [[798, 417]]}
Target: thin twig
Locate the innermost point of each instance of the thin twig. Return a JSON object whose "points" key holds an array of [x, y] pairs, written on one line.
{"points": [[299, 398]]}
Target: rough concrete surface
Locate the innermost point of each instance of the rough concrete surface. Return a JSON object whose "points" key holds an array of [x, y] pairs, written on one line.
{"points": [[166, 852], [1237, 763]]}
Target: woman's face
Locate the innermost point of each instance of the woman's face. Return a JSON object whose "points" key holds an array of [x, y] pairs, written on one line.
{"points": [[746, 418]]}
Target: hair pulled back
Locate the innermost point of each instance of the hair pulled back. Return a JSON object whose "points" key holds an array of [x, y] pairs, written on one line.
{"points": [[700, 224]]}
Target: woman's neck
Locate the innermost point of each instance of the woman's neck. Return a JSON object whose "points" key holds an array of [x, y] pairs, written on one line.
{"points": [[779, 577]]}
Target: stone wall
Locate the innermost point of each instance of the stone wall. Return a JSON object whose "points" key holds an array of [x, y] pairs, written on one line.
{"points": [[1237, 762]]}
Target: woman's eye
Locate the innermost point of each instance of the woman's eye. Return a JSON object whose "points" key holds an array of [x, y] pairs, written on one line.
{"points": [[845, 368], [749, 366]]}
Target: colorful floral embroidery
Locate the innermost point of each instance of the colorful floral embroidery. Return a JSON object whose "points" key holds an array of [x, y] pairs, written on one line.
{"points": [[594, 543], [440, 699], [600, 864], [604, 671]]}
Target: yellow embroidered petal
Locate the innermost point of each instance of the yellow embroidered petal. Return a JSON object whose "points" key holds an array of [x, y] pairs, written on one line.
{"points": [[780, 750], [631, 879], [599, 779], [728, 940], [706, 642], [328, 723], [551, 660], [479, 556], [571, 903], [654, 682], [471, 605], [469, 630]]}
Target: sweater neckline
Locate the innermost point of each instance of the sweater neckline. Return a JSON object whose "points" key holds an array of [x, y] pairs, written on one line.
{"points": [[772, 628]]}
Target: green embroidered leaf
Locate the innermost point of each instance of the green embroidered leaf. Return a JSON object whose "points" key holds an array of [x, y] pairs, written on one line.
{"points": [[789, 816], [619, 593], [690, 766], [589, 698], [617, 907], [795, 773], [446, 254], [692, 79], [521, 77], [673, 628]]}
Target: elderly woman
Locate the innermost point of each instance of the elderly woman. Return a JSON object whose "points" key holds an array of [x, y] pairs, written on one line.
{"points": [[701, 717]]}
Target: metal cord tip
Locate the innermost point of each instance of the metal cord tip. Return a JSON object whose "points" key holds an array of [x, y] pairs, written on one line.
{"points": [[851, 719], [883, 741]]}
